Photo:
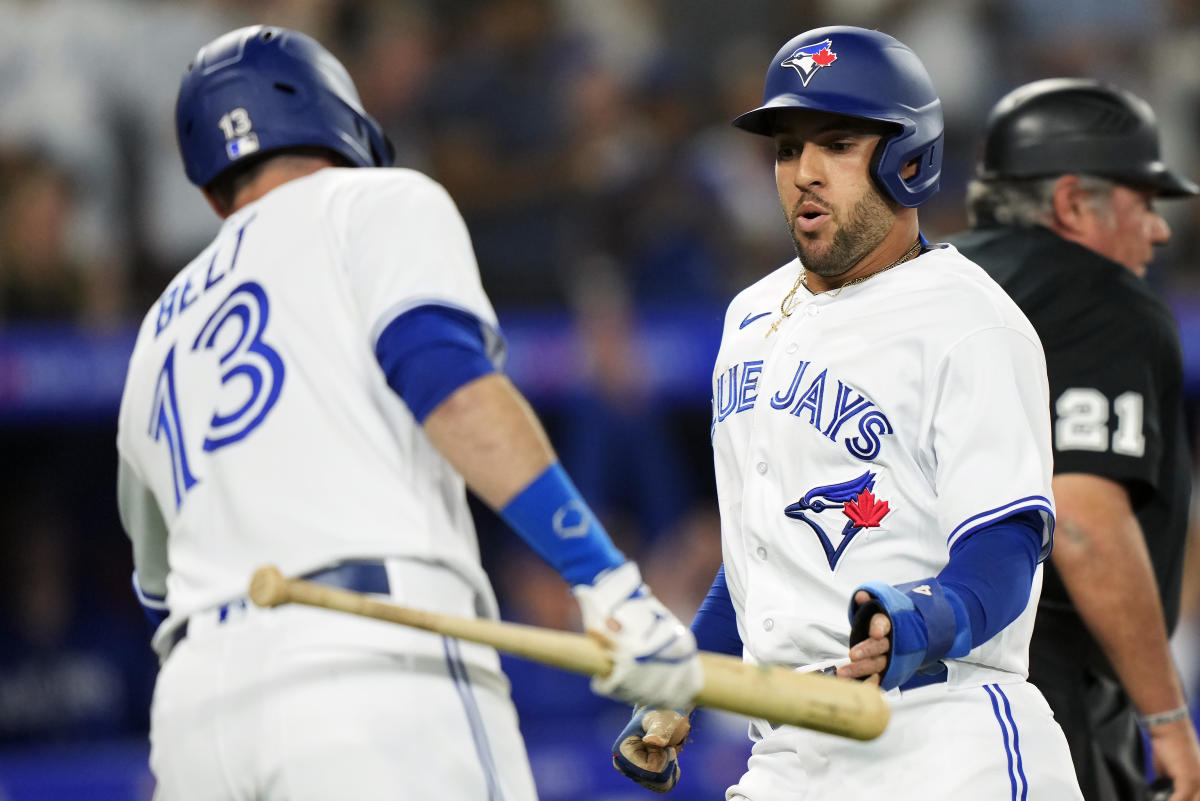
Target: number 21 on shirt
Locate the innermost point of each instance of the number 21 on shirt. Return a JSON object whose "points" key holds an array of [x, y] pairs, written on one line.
{"points": [[1082, 422]]}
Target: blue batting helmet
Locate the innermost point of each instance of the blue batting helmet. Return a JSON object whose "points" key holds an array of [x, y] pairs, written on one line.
{"points": [[259, 89], [867, 74]]}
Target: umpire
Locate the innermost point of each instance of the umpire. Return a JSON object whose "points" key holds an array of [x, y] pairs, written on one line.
{"points": [[1062, 217]]}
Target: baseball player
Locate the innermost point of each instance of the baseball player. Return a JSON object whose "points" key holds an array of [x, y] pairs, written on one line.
{"points": [[881, 443], [314, 390], [1063, 219]]}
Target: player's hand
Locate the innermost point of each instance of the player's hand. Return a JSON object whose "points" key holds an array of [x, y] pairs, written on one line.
{"points": [[1176, 756], [647, 750], [869, 653], [654, 655]]}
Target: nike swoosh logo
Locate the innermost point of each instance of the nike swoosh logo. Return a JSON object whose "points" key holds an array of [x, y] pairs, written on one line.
{"points": [[749, 319]]}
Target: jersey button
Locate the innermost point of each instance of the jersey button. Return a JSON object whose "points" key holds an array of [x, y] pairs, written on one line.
{"points": [[762, 552], [761, 467], [768, 624], [792, 348], [813, 311]]}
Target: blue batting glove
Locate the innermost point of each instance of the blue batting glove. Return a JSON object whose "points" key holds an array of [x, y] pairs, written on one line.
{"points": [[925, 626], [655, 767]]}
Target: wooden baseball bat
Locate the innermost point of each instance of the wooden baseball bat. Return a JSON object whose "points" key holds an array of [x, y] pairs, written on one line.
{"points": [[775, 693]]}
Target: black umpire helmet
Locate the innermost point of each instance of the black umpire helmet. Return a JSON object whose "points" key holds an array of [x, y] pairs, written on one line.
{"points": [[1059, 126]]}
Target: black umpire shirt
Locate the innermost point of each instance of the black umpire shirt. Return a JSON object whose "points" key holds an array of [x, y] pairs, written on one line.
{"points": [[1116, 398]]}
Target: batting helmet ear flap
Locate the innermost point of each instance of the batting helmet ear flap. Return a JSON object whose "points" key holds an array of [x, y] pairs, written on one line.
{"points": [[894, 157], [918, 182]]}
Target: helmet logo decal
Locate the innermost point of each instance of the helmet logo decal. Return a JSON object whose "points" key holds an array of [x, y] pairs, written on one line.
{"points": [[240, 139], [807, 60]]}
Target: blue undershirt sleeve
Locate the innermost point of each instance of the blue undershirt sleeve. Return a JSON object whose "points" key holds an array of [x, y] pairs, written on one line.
{"points": [[983, 587], [715, 624], [428, 352], [991, 572]]}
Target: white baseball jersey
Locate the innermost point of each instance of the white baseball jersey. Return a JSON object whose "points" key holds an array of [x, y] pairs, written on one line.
{"points": [[255, 418], [878, 425]]}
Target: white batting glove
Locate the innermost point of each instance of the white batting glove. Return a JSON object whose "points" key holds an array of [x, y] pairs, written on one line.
{"points": [[654, 655]]}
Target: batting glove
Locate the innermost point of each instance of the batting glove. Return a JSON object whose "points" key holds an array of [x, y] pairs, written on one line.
{"points": [[647, 749], [925, 626], [654, 655]]}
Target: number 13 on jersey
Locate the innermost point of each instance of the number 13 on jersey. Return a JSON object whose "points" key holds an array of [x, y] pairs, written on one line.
{"points": [[251, 373]]}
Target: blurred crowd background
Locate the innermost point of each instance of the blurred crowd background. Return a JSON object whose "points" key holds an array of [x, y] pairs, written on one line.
{"points": [[614, 213]]}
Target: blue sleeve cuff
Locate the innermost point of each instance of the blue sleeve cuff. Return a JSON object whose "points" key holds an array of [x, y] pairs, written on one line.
{"points": [[909, 640], [715, 623], [553, 518], [428, 352], [947, 627]]}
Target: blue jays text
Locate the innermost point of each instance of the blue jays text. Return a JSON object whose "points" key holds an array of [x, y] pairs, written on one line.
{"points": [[825, 408]]}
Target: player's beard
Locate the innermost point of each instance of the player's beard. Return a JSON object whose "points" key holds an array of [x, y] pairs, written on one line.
{"points": [[864, 228]]}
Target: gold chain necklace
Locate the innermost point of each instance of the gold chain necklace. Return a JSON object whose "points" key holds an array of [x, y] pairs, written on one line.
{"points": [[788, 304]]}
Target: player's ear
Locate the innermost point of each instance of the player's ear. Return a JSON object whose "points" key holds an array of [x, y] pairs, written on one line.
{"points": [[909, 169], [216, 205]]}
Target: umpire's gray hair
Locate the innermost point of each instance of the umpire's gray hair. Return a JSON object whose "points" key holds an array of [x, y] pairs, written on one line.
{"points": [[1024, 202]]}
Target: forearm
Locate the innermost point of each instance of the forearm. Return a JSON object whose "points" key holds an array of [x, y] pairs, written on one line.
{"points": [[983, 587], [1107, 572], [147, 533], [488, 433], [1101, 554]]}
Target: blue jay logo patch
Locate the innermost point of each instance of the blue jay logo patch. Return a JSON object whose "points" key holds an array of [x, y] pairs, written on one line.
{"points": [[855, 499], [808, 60]]}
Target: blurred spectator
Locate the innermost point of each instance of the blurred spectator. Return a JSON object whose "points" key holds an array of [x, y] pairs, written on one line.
{"points": [[1109, 40], [166, 220], [39, 278], [68, 669], [57, 65], [496, 127], [624, 36], [640, 202], [1174, 62], [392, 57], [738, 171], [671, 239], [615, 438], [680, 565]]}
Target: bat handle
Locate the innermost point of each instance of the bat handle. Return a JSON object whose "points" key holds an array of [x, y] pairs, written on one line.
{"points": [[268, 587]]}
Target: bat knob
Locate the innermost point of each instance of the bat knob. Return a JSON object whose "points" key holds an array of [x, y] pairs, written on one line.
{"points": [[268, 587]]}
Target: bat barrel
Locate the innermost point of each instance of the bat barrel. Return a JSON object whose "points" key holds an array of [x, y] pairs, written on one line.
{"points": [[783, 697], [774, 693]]}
